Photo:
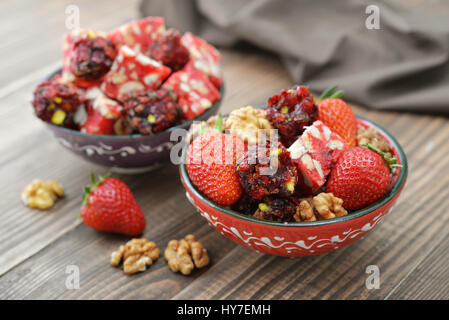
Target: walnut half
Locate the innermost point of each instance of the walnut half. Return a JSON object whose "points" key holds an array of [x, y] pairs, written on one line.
{"points": [[304, 211], [321, 207], [328, 206], [247, 123], [372, 136], [137, 254], [42, 195], [186, 254]]}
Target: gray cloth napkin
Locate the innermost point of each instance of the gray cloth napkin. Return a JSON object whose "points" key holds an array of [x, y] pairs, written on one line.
{"points": [[401, 66]]}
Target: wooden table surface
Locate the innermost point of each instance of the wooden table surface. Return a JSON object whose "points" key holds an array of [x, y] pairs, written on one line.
{"points": [[410, 247]]}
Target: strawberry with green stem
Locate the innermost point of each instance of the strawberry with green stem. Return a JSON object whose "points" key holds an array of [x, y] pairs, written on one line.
{"points": [[361, 176], [210, 164], [338, 115], [109, 206]]}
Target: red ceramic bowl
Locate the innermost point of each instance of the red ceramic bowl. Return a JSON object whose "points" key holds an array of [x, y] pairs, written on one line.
{"points": [[297, 239]]}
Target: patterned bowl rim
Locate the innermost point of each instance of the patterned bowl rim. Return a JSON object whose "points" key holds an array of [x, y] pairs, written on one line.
{"points": [[396, 189], [186, 124]]}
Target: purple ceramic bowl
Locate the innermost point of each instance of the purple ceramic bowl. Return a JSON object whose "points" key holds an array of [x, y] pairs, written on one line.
{"points": [[125, 153]]}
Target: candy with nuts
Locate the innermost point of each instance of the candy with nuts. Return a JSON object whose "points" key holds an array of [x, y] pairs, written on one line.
{"points": [[133, 72], [203, 57], [194, 92], [136, 59], [138, 35], [314, 154], [57, 103]]}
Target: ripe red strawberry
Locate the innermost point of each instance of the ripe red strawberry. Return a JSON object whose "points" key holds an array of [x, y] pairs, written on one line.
{"points": [[109, 205], [338, 116], [210, 163], [360, 177]]}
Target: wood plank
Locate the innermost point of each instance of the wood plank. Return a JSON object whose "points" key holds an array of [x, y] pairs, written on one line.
{"points": [[43, 276], [429, 279]]}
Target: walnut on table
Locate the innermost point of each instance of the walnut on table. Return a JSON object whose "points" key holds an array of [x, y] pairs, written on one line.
{"points": [[321, 207], [372, 136], [247, 123], [186, 254], [42, 195], [137, 254]]}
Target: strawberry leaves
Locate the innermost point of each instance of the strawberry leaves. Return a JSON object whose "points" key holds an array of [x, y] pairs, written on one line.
{"points": [[94, 184], [391, 162], [331, 94]]}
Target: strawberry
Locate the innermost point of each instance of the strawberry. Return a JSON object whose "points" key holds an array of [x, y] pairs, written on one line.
{"points": [[361, 176], [210, 164], [109, 205], [338, 115]]}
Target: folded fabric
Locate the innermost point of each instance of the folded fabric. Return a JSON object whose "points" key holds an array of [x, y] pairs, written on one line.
{"points": [[403, 65]]}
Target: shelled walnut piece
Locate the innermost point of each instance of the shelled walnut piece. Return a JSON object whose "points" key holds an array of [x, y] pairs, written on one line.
{"points": [[185, 254], [247, 123], [321, 207], [372, 136], [304, 211], [42, 195], [137, 254]]}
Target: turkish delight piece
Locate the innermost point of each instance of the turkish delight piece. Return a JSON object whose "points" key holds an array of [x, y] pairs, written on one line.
{"points": [[57, 103], [193, 90], [133, 72], [96, 123], [109, 108], [314, 154], [170, 51], [102, 113], [87, 53], [204, 57], [139, 35]]}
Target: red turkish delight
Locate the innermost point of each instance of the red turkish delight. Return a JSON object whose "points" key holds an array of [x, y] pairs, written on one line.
{"points": [[138, 35], [102, 113], [132, 72], [194, 92], [290, 112], [266, 170], [57, 103], [96, 123], [276, 209], [152, 111], [314, 154], [86, 57], [203, 57], [170, 51]]}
